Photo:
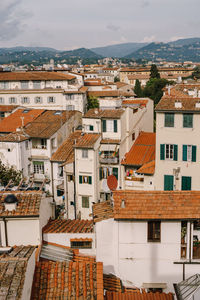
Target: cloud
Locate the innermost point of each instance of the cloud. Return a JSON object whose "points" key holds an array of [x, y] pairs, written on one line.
{"points": [[12, 17], [148, 39], [175, 38], [113, 27]]}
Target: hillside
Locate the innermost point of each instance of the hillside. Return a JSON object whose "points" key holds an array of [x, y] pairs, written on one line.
{"points": [[118, 50]]}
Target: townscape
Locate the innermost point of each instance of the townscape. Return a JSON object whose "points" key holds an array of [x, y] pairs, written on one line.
{"points": [[100, 184]]}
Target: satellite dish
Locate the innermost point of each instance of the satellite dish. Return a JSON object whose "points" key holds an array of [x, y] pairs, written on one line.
{"points": [[112, 182], [105, 186]]}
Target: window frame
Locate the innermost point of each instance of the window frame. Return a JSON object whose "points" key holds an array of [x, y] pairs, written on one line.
{"points": [[169, 122], [152, 231], [84, 153], [85, 202], [186, 122], [81, 244]]}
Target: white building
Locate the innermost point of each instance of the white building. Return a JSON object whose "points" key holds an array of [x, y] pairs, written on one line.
{"points": [[177, 148], [22, 217], [151, 240]]}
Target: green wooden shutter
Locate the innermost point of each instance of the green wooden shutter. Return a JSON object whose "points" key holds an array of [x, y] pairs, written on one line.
{"points": [[91, 127], [115, 172], [168, 182], [104, 125], [162, 151], [194, 151], [80, 179], [186, 183], [184, 152], [175, 152], [115, 125], [90, 180]]}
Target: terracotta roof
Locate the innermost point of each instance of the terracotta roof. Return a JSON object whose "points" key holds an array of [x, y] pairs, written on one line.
{"points": [[135, 295], [15, 137], [20, 76], [66, 151], [48, 123], [142, 151], [7, 108], [112, 93], [96, 113], [136, 101], [148, 168], [120, 84], [69, 226], [158, 205], [14, 120], [12, 272], [167, 103], [87, 140], [110, 141], [82, 90], [138, 76], [102, 211], [28, 204], [112, 283], [68, 280]]}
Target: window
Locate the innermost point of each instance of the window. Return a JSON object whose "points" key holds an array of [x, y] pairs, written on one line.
{"points": [[36, 84], [109, 125], [1, 100], [27, 145], [25, 100], [188, 120], [70, 107], [154, 231], [44, 143], [12, 100], [169, 120], [4, 85], [38, 100], [60, 171], [51, 99], [104, 172], [189, 153], [186, 183], [38, 167], [84, 153], [133, 136], [24, 85], [85, 179], [81, 244], [69, 97], [85, 202], [69, 177], [168, 151], [91, 127], [168, 182]]}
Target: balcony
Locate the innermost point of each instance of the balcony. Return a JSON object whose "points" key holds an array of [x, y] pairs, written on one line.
{"points": [[109, 160], [38, 177]]}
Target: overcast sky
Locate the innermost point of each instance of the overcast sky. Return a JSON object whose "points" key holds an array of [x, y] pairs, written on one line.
{"points": [[70, 24]]}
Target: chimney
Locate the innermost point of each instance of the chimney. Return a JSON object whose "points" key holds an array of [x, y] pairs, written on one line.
{"points": [[10, 202], [178, 104]]}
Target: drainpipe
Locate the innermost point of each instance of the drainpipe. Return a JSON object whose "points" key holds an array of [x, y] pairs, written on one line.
{"points": [[6, 231], [190, 241], [52, 181], [74, 165]]}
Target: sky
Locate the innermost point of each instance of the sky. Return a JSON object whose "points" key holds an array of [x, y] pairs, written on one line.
{"points": [[71, 24]]}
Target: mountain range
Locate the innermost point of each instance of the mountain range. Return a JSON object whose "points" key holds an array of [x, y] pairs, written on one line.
{"points": [[180, 50]]}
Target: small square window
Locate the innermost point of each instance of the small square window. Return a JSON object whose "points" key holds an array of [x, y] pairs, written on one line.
{"points": [[84, 153], [85, 202]]}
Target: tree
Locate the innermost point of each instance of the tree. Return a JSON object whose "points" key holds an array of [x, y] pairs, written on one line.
{"points": [[93, 102], [9, 173], [116, 79], [137, 89], [154, 89], [154, 72], [196, 73]]}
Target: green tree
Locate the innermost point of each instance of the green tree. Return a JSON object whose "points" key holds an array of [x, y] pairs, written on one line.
{"points": [[116, 79], [196, 73], [137, 89], [93, 102], [9, 173], [154, 72], [154, 89]]}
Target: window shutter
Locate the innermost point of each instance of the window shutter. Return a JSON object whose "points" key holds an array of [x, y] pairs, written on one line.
{"points": [[115, 172], [91, 127], [162, 151], [186, 183], [80, 179], [184, 152], [90, 180], [194, 151], [115, 125], [100, 173], [168, 182], [175, 152], [104, 125]]}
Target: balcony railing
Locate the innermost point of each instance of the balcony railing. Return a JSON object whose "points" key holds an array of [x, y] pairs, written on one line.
{"points": [[109, 160]]}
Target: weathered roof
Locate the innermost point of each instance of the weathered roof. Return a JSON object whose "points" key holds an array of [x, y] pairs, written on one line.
{"points": [[158, 205], [110, 93], [112, 283], [14, 120], [24, 76], [87, 140], [136, 295], [136, 101], [12, 272], [69, 226], [48, 123], [28, 204], [102, 211], [186, 289], [7, 108], [167, 103], [142, 151], [148, 168], [68, 280], [110, 141], [14, 137], [96, 113], [66, 151]]}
